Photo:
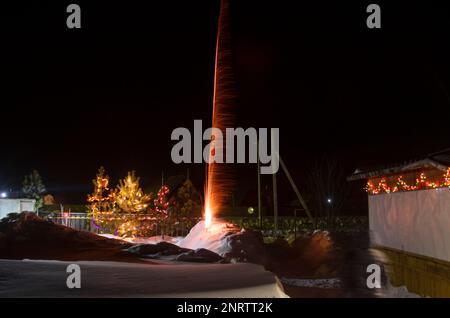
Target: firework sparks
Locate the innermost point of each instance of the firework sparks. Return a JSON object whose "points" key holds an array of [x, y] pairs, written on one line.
{"points": [[219, 180]]}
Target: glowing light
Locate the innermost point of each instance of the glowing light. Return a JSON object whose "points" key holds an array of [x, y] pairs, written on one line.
{"points": [[219, 181], [4, 195], [208, 217], [421, 183], [329, 200]]}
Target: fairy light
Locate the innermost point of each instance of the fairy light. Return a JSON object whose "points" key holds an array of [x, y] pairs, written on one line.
{"points": [[161, 202], [129, 196], [447, 178], [126, 210], [421, 183]]}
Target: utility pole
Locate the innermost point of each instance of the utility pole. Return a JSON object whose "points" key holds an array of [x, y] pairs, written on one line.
{"points": [[259, 187], [275, 201], [299, 196]]}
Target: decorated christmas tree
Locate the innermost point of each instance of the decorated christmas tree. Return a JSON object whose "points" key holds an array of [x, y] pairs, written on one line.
{"points": [[127, 210], [101, 201], [162, 202], [133, 208], [129, 196], [162, 207]]}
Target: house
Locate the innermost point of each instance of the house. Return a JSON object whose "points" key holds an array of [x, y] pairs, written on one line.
{"points": [[409, 220], [16, 206]]}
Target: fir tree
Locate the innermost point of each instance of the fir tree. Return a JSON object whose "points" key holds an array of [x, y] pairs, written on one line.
{"points": [[129, 196], [102, 200], [34, 188], [187, 200]]}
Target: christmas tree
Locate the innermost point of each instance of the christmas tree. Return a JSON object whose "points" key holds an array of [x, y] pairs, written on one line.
{"points": [[102, 200], [129, 196], [162, 205]]}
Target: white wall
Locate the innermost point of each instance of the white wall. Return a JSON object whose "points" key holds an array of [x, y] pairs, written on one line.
{"points": [[16, 205], [414, 221]]}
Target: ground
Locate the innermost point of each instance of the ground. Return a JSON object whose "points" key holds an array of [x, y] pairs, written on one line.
{"points": [[318, 265], [118, 279]]}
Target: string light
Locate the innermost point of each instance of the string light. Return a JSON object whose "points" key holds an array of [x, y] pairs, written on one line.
{"points": [[421, 183], [127, 211]]}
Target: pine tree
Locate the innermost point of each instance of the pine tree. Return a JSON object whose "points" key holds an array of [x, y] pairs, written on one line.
{"points": [[187, 199], [162, 202], [34, 188], [102, 200], [162, 207], [129, 196]]}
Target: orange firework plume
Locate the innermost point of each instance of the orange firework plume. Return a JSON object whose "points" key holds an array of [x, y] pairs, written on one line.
{"points": [[219, 182]]}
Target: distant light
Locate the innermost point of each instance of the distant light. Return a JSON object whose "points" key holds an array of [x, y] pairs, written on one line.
{"points": [[250, 210], [4, 195], [329, 200]]}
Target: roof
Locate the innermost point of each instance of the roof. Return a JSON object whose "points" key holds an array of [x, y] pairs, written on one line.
{"points": [[438, 160]]}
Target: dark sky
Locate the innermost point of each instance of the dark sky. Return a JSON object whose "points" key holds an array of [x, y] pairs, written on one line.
{"points": [[111, 93]]}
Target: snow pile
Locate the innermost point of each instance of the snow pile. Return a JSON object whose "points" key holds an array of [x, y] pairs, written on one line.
{"points": [[120, 279], [213, 238], [389, 291], [145, 240]]}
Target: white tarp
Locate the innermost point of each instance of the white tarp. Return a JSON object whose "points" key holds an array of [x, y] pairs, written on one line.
{"points": [[16, 206], [414, 221]]}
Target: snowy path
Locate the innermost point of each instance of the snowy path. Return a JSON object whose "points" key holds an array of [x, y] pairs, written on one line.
{"points": [[113, 279]]}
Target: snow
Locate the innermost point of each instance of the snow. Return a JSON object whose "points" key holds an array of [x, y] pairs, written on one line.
{"points": [[114, 279], [213, 238], [145, 240], [390, 291]]}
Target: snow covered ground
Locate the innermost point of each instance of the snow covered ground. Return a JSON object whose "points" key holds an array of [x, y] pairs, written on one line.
{"points": [[31, 278], [145, 240], [215, 238]]}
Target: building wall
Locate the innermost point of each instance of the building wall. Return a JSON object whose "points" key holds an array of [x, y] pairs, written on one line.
{"points": [[415, 221], [422, 275], [16, 205]]}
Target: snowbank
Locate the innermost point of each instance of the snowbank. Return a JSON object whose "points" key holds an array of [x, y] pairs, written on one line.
{"points": [[115, 279], [214, 238], [145, 240]]}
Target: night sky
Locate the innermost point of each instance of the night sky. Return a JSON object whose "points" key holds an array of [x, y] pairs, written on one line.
{"points": [[111, 93]]}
